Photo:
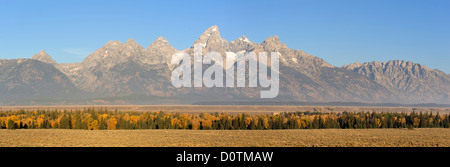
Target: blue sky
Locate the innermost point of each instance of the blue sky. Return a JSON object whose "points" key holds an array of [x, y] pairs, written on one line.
{"points": [[340, 32]]}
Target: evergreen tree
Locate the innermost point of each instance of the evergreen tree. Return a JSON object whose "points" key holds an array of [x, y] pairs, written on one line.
{"points": [[11, 125]]}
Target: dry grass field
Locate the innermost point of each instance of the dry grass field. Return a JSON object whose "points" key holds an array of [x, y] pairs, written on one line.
{"points": [[436, 137]]}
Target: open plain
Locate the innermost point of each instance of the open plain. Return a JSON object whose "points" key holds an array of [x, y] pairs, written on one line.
{"points": [[419, 137], [250, 109]]}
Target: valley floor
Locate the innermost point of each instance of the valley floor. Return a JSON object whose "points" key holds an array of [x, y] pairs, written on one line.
{"points": [[435, 137], [250, 109]]}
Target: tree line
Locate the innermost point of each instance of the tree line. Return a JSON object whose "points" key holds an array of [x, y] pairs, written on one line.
{"points": [[102, 119]]}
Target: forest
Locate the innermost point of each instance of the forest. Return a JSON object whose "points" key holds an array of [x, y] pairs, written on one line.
{"points": [[104, 119]]}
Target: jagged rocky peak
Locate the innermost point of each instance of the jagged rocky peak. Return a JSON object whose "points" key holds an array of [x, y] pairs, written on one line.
{"points": [[133, 49], [212, 41], [116, 49], [160, 51], [407, 64], [397, 64], [241, 44], [113, 43], [241, 40], [132, 45], [274, 39], [109, 48], [110, 54], [273, 43], [131, 42], [211, 32], [162, 39], [159, 42], [43, 57], [244, 39], [352, 66]]}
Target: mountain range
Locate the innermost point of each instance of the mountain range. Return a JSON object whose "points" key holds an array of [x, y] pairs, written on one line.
{"points": [[128, 73]]}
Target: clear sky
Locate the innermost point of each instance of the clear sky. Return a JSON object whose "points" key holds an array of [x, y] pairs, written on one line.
{"points": [[340, 32]]}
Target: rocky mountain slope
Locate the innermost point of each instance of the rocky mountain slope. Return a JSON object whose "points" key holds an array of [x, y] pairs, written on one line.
{"points": [[415, 82], [25, 81], [119, 69], [44, 57], [118, 72], [303, 77]]}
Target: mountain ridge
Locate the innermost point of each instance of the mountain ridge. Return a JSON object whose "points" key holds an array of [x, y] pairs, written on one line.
{"points": [[124, 69], [406, 78]]}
